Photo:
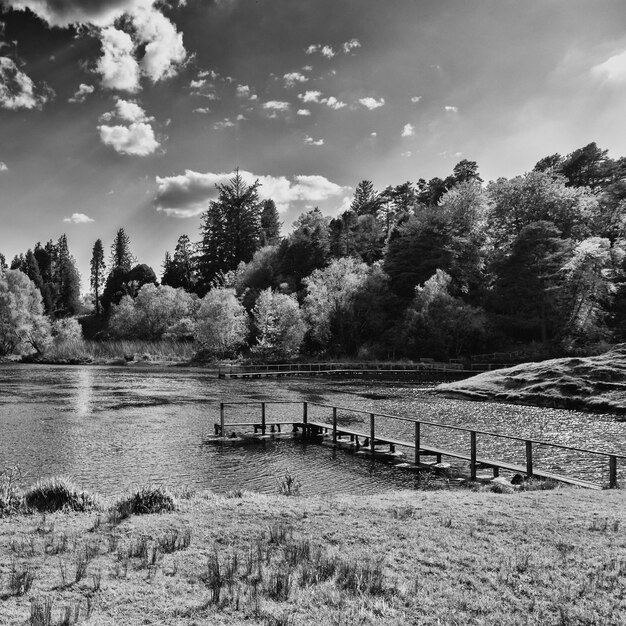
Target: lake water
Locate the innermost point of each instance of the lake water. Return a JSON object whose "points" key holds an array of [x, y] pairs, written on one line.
{"points": [[111, 429]]}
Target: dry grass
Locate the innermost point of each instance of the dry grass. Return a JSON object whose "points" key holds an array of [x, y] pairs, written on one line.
{"points": [[539, 558]]}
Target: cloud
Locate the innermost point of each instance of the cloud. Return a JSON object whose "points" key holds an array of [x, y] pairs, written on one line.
{"points": [[304, 112], [198, 84], [224, 124], [188, 194], [312, 49], [333, 103], [371, 103], [82, 93], [406, 154], [17, 90], [136, 137], [348, 46], [328, 52], [78, 218], [117, 65], [613, 70], [408, 130], [451, 109], [416, 99], [325, 50], [310, 96], [3, 167], [276, 105], [203, 110], [374, 134], [243, 91], [292, 78], [307, 68], [309, 141]]}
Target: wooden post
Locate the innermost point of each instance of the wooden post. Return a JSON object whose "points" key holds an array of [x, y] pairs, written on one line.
{"points": [[305, 418], [473, 455], [222, 411], [529, 459], [417, 443], [334, 424], [613, 472], [262, 418], [372, 449]]}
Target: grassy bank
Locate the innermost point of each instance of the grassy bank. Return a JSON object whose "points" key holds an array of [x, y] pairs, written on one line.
{"points": [[541, 557], [596, 383]]}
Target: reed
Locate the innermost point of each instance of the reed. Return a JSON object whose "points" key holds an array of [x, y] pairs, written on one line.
{"points": [[59, 493]]}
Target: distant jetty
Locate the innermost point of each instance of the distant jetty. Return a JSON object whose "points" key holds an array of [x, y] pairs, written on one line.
{"points": [[596, 383]]}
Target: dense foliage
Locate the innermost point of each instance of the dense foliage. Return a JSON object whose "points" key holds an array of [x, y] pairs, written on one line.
{"points": [[442, 268]]}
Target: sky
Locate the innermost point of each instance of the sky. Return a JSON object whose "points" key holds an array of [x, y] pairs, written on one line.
{"points": [[126, 113]]}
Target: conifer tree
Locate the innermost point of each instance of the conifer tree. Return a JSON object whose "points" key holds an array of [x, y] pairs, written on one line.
{"points": [[270, 224], [121, 256], [97, 272]]}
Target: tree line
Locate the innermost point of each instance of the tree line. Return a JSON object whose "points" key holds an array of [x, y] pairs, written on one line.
{"points": [[440, 268]]}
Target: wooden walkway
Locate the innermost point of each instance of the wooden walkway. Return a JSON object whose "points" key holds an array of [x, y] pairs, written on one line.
{"points": [[372, 440]]}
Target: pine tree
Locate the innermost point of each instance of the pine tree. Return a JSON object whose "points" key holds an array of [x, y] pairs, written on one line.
{"points": [[270, 224], [32, 269], [231, 230], [67, 279], [98, 267], [121, 256], [366, 200]]}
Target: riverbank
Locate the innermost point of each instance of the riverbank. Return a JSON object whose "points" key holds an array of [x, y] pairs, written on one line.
{"points": [[540, 557], [596, 383]]}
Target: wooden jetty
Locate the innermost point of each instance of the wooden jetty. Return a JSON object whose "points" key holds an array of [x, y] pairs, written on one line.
{"points": [[373, 439], [426, 370]]}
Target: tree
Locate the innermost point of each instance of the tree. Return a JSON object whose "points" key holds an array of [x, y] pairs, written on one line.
{"points": [[178, 271], [122, 283], [121, 256], [366, 200], [466, 171], [31, 269], [222, 323], [230, 230], [98, 268], [270, 224], [22, 322], [279, 326], [68, 281], [3, 262]]}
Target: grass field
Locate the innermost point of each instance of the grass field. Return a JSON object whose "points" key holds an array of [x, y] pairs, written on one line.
{"points": [[436, 557]]}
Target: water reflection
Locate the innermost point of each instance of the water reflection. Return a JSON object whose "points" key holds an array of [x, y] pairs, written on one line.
{"points": [[113, 428]]}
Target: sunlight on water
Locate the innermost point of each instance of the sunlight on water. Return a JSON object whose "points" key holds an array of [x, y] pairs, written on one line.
{"points": [[114, 428]]}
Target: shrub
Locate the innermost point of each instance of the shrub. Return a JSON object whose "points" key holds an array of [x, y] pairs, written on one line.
{"points": [[147, 500], [57, 493]]}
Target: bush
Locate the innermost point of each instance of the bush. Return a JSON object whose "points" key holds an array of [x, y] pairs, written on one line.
{"points": [[59, 493], [147, 500]]}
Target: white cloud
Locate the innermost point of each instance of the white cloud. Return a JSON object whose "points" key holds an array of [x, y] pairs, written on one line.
{"points": [[333, 103], [406, 154], [328, 52], [313, 48], [130, 111], [188, 194], [310, 96], [371, 103], [325, 50], [78, 218], [17, 90], [408, 130], [374, 134], [117, 65], [243, 91], [164, 49], [416, 99], [276, 105], [224, 124], [304, 112], [212, 74], [241, 117], [198, 84], [292, 78], [135, 139], [309, 141], [203, 110], [307, 68], [3, 167], [82, 93], [613, 70], [348, 46], [451, 109]]}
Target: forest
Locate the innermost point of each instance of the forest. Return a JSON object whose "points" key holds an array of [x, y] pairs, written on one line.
{"points": [[441, 268]]}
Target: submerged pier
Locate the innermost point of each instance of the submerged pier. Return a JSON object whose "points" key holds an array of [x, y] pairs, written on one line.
{"points": [[381, 435]]}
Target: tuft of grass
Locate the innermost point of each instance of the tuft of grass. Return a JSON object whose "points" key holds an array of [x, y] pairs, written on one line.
{"points": [[21, 578], [146, 500], [289, 486], [59, 493], [41, 612], [11, 500]]}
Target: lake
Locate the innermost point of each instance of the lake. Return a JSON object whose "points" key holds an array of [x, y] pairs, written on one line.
{"points": [[113, 428]]}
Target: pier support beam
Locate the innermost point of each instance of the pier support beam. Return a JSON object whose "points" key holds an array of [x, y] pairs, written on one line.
{"points": [[473, 455], [613, 472], [529, 459]]}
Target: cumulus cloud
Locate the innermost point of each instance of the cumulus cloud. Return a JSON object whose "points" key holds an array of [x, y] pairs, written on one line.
{"points": [[408, 130], [291, 78], [613, 70], [203, 110], [371, 103], [117, 65], [328, 52], [198, 84], [187, 195], [304, 112], [224, 124], [310, 96], [136, 137], [243, 91], [374, 134], [415, 99], [82, 93], [348, 46], [451, 109], [3, 167], [276, 105], [17, 90], [78, 218], [313, 48], [333, 103], [309, 141]]}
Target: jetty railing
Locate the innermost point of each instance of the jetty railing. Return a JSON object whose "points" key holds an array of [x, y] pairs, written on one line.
{"points": [[374, 436]]}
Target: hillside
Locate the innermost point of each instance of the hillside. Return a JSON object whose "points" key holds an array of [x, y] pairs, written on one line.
{"points": [[596, 383]]}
